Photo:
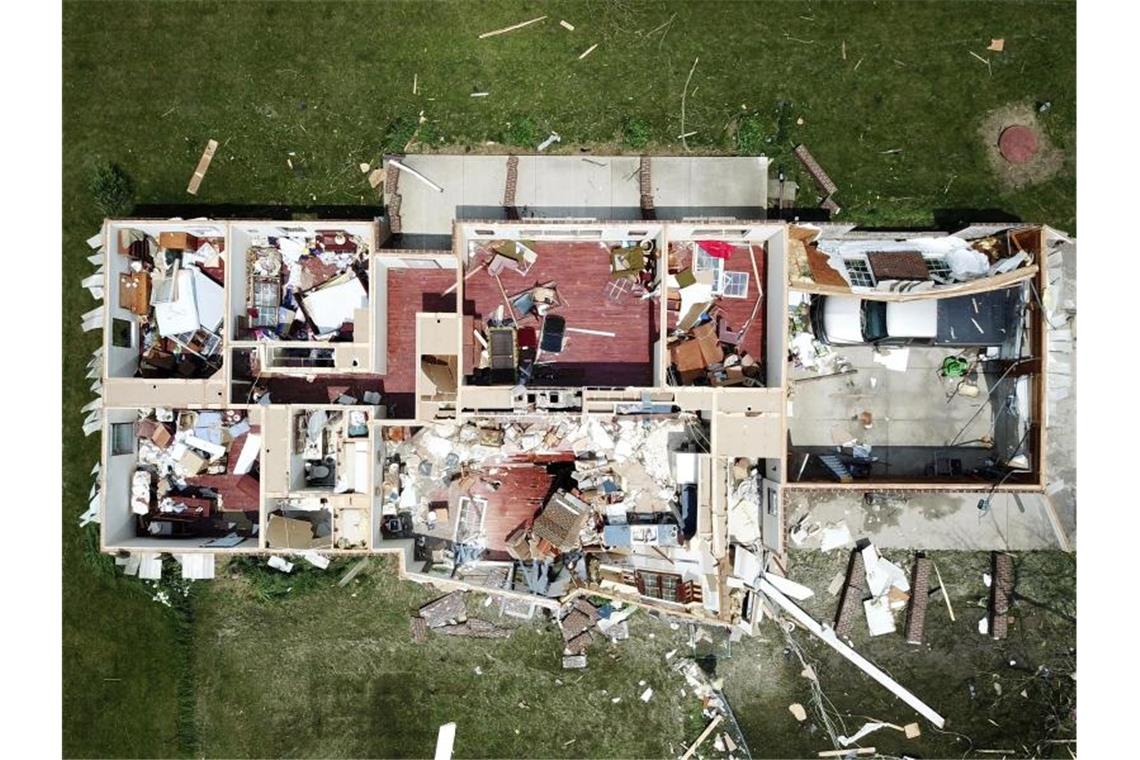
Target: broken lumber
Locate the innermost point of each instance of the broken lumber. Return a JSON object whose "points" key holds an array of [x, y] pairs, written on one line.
{"points": [[704, 735], [919, 599], [1001, 592], [511, 28], [945, 593], [853, 752], [588, 51], [203, 165], [815, 170], [828, 636], [851, 600]]}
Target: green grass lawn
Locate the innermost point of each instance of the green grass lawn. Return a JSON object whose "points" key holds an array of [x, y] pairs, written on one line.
{"points": [[329, 85]]}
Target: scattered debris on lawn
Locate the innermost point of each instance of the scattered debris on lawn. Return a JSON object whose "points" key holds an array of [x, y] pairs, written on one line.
{"points": [[703, 737], [447, 610], [822, 179], [553, 138], [445, 742], [203, 165], [280, 563], [828, 636], [566, 25], [798, 710], [476, 629], [588, 51], [997, 45], [352, 572], [511, 28], [419, 630]]}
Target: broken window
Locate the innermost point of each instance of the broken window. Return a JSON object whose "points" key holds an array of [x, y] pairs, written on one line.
{"points": [[122, 438], [734, 284], [122, 333], [937, 267], [859, 273]]}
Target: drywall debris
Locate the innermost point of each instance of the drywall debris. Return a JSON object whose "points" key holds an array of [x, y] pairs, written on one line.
{"points": [[280, 563], [798, 710], [445, 742], [566, 25]]}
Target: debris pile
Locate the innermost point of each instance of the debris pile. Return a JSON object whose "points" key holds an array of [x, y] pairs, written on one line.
{"points": [[711, 338]]}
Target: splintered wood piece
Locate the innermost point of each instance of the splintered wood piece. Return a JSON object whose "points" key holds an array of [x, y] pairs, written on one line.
{"points": [[506, 29], [203, 165]]}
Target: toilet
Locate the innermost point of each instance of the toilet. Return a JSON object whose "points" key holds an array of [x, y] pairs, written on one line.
{"points": [[316, 471]]}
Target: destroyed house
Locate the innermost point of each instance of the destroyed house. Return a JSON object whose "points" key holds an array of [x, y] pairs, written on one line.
{"points": [[541, 406]]}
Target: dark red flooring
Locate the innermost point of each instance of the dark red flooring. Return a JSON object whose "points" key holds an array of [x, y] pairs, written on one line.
{"points": [[736, 310], [410, 291], [581, 273]]}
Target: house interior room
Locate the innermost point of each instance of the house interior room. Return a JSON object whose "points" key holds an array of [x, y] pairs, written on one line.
{"points": [[253, 380], [532, 503], [330, 450], [715, 284], [556, 306], [962, 405], [182, 477], [165, 299], [300, 282], [407, 285]]}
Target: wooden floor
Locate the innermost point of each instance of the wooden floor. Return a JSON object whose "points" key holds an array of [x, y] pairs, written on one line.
{"points": [[581, 273], [523, 488], [410, 291], [737, 310]]}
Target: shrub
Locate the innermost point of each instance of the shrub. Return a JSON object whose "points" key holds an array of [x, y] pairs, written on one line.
{"points": [[635, 132], [750, 136], [522, 131], [112, 190]]}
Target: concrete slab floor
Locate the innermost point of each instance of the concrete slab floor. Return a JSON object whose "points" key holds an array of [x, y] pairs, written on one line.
{"points": [[907, 408], [926, 521]]}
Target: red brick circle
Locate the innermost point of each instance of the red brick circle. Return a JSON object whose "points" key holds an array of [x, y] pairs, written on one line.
{"points": [[1017, 144]]}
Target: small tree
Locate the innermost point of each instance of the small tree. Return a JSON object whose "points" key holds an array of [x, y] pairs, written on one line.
{"points": [[112, 190]]}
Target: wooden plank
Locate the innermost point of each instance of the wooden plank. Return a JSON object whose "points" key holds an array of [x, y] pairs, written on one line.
{"points": [[704, 735], [203, 165], [511, 28], [828, 636]]}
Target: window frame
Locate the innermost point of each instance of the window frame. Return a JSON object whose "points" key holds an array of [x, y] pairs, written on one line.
{"points": [[861, 270], [116, 449]]}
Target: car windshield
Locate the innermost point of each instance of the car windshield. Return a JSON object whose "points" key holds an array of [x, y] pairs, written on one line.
{"points": [[874, 320]]}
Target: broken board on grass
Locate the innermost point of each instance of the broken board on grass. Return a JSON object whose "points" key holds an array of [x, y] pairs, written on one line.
{"points": [[828, 636]]}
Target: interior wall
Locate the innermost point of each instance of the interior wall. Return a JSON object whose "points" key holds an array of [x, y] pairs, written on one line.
{"points": [[118, 521], [237, 244], [378, 302], [120, 362], [776, 314]]}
